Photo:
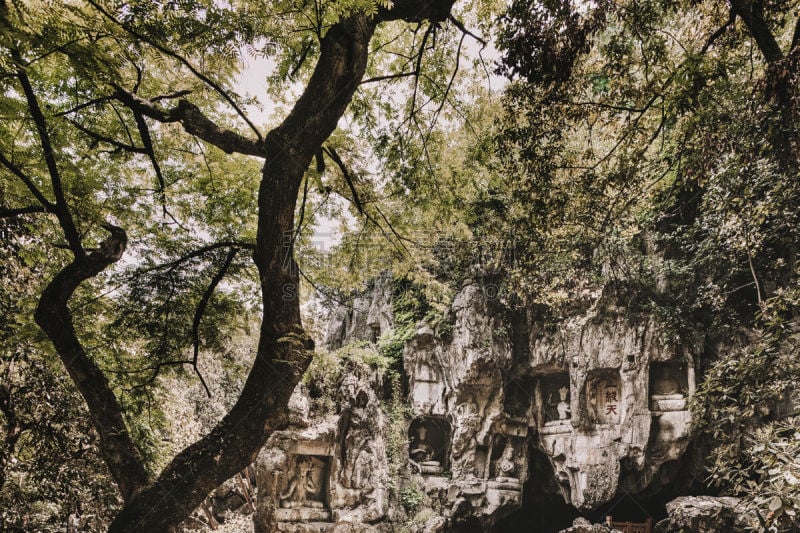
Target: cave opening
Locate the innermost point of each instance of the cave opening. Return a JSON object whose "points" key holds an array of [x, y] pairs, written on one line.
{"points": [[545, 511], [543, 508]]}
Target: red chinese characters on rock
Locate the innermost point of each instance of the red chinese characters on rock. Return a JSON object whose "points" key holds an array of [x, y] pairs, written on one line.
{"points": [[611, 400]]}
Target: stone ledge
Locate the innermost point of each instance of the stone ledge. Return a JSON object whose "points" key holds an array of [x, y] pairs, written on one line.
{"points": [[510, 485], [303, 514], [302, 527], [555, 428]]}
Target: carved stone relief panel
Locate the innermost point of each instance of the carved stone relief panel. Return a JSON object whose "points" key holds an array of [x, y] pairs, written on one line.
{"points": [[467, 418], [507, 461], [481, 461], [428, 443], [604, 400], [556, 395], [306, 485]]}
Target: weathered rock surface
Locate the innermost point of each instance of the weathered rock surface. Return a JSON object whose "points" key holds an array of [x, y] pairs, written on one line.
{"points": [[601, 396], [582, 525], [614, 369], [707, 514], [329, 473]]}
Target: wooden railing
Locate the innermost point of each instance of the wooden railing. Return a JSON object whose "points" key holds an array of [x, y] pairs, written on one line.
{"points": [[634, 527]]}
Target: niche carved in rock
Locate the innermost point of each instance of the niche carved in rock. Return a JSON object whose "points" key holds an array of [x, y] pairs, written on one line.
{"points": [[556, 397], [668, 386], [428, 440]]}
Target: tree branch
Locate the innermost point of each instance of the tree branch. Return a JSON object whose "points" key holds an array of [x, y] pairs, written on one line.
{"points": [[108, 140], [348, 178], [717, 34], [457, 23], [53, 316], [61, 209], [197, 253], [183, 61], [752, 14], [84, 105], [334, 155], [14, 169], [147, 142], [389, 77], [201, 309], [6, 212], [795, 36], [418, 69], [194, 122]]}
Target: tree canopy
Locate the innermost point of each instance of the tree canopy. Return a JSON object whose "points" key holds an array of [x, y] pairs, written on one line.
{"points": [[643, 156]]}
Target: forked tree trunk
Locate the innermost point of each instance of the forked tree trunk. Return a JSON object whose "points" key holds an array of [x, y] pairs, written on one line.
{"points": [[284, 350]]}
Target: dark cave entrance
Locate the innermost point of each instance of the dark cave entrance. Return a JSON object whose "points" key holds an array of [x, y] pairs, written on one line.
{"points": [[544, 511]]}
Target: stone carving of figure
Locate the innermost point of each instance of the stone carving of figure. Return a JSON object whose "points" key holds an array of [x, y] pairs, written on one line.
{"points": [[301, 491], [348, 387], [468, 421], [506, 467], [563, 406], [422, 451], [362, 469], [666, 383]]}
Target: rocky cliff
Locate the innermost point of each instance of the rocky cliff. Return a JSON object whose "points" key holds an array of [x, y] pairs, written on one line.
{"points": [[492, 404]]}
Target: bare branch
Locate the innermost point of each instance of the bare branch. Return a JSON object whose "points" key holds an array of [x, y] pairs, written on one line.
{"points": [[6, 212], [61, 208], [147, 141], [108, 140], [302, 59], [418, 68], [447, 90], [457, 23], [605, 105], [84, 105], [171, 96], [389, 77], [183, 61], [197, 253], [201, 309], [194, 122], [347, 177], [721, 30], [47, 204]]}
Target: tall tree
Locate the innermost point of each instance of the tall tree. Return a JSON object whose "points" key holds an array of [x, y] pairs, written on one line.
{"points": [[85, 109], [651, 150]]}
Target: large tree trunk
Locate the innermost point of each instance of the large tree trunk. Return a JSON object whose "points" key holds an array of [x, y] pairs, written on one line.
{"points": [[284, 350]]}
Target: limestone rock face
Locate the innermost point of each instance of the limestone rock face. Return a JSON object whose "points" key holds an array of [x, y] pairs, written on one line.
{"points": [[614, 368], [365, 318], [601, 397], [327, 473]]}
